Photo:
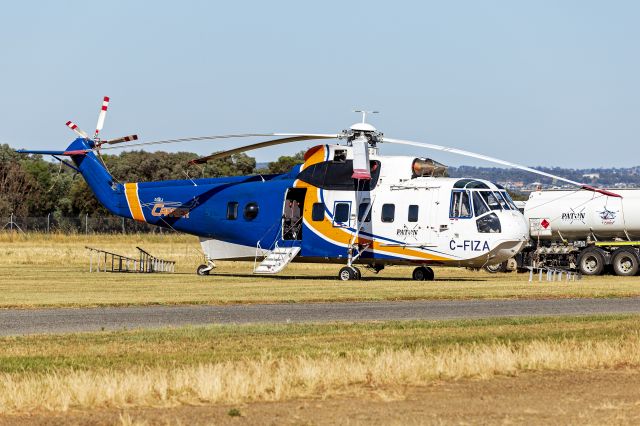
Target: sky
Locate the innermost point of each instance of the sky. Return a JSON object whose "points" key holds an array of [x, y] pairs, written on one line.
{"points": [[545, 83]]}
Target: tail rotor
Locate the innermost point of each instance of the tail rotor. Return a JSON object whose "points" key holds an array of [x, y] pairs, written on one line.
{"points": [[97, 142], [101, 116], [74, 127]]}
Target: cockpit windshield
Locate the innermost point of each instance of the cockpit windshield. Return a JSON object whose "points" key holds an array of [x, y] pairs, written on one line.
{"points": [[503, 201], [479, 205], [484, 201], [510, 201], [491, 199]]}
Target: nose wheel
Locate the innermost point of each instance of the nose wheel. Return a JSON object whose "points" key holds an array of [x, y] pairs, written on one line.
{"points": [[203, 270], [423, 273], [348, 273]]}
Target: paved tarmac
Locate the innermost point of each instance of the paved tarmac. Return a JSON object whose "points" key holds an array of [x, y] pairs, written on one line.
{"points": [[63, 320]]}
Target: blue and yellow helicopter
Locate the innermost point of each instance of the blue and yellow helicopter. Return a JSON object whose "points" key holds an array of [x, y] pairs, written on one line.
{"points": [[346, 204]]}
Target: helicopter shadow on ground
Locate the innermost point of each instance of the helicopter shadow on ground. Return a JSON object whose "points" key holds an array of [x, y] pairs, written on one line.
{"points": [[335, 278]]}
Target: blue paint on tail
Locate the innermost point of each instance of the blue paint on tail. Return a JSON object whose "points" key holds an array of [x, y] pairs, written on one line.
{"points": [[109, 193]]}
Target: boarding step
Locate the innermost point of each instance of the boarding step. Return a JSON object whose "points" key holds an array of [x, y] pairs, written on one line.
{"points": [[276, 260]]}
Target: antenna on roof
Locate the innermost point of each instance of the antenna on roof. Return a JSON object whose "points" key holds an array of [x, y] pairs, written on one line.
{"points": [[364, 113]]}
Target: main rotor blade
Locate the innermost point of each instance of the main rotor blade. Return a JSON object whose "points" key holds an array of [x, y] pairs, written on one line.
{"points": [[498, 161], [101, 116], [361, 158], [207, 138], [122, 139], [73, 126], [291, 138]]}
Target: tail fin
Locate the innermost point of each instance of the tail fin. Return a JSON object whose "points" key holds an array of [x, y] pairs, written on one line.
{"points": [[109, 193]]}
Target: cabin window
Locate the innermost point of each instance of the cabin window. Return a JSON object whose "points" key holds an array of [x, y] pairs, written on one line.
{"points": [[388, 213], [460, 205], [413, 213], [489, 224], [362, 209], [232, 210], [251, 210], [317, 212], [340, 155], [341, 213]]}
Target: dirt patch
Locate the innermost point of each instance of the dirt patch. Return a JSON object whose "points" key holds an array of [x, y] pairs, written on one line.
{"points": [[593, 397]]}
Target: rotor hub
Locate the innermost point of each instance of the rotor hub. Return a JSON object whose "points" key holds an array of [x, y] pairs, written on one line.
{"points": [[363, 127]]}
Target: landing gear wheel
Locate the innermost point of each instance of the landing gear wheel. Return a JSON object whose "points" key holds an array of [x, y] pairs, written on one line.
{"points": [[348, 273], [430, 274], [203, 270], [500, 267], [358, 273], [423, 273], [377, 267], [625, 262], [591, 262]]}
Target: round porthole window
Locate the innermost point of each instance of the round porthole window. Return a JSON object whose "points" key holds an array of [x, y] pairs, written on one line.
{"points": [[251, 211]]}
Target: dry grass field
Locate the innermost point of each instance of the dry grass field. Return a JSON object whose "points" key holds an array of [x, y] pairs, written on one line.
{"points": [[524, 370], [53, 270], [245, 364]]}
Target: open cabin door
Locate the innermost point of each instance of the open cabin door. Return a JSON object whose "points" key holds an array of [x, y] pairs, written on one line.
{"points": [[292, 214]]}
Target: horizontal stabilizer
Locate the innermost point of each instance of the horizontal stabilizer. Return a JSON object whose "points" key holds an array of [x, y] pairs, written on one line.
{"points": [[76, 152], [31, 151]]}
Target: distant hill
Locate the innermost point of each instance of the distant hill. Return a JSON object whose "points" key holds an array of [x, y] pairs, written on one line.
{"points": [[519, 180]]}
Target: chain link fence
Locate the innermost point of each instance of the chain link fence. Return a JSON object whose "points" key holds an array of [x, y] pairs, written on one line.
{"points": [[77, 225]]}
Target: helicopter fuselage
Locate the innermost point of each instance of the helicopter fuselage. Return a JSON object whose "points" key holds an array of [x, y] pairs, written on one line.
{"points": [[394, 218]]}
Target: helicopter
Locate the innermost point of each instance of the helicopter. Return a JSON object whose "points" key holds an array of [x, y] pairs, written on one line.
{"points": [[347, 204]]}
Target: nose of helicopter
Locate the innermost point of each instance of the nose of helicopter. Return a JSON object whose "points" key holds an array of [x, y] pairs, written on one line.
{"points": [[515, 236], [515, 226]]}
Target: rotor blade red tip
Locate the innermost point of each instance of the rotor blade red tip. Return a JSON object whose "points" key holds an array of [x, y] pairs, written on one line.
{"points": [[73, 126], [122, 139], [361, 174], [601, 191]]}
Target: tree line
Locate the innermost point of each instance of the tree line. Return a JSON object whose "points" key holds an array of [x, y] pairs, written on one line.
{"points": [[607, 177], [32, 186]]}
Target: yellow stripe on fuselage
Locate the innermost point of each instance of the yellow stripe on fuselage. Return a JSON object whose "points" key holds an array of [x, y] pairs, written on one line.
{"points": [[131, 192]]}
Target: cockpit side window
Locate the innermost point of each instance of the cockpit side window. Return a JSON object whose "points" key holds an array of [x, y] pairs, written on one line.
{"points": [[489, 224], [479, 206], [460, 204]]}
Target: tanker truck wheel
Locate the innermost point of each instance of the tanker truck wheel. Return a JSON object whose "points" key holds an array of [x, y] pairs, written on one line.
{"points": [[591, 262], [625, 262]]}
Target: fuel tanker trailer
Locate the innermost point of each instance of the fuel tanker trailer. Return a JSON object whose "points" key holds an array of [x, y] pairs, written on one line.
{"points": [[584, 231]]}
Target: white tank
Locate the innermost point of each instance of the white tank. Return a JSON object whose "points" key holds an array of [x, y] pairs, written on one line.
{"points": [[578, 215]]}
